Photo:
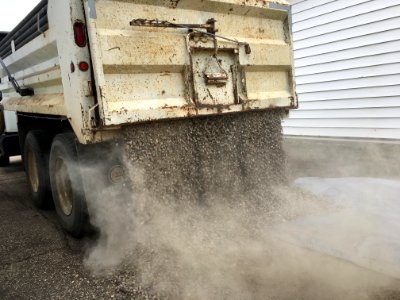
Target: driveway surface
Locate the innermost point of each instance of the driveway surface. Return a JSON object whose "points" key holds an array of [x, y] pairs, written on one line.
{"points": [[39, 261], [363, 228]]}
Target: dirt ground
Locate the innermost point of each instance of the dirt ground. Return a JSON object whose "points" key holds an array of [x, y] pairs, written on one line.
{"points": [[39, 261]]}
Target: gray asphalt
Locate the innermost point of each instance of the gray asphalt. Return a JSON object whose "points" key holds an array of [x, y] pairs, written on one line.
{"points": [[39, 261]]}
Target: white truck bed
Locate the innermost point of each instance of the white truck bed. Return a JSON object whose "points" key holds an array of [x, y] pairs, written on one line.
{"points": [[141, 71]]}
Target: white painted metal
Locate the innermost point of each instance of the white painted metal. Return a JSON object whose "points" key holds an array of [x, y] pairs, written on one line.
{"points": [[145, 74], [347, 57], [10, 118], [44, 65]]}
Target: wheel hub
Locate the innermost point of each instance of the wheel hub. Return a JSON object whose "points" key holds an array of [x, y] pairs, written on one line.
{"points": [[64, 187], [33, 173]]}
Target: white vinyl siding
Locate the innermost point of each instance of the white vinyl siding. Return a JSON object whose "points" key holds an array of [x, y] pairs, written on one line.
{"points": [[347, 57]]}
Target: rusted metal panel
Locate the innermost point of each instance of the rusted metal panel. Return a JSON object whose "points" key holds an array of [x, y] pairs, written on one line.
{"points": [[49, 104], [44, 64], [138, 114], [172, 59], [153, 60]]}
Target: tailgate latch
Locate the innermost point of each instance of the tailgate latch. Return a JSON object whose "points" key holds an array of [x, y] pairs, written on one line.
{"points": [[214, 74], [216, 78]]}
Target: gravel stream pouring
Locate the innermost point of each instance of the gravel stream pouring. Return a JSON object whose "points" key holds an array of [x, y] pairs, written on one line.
{"points": [[228, 156], [199, 220]]}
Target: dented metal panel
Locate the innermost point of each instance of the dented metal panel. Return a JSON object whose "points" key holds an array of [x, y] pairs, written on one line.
{"points": [[171, 59]]}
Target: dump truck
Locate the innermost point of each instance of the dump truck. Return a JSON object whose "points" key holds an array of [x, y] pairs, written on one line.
{"points": [[74, 73]]}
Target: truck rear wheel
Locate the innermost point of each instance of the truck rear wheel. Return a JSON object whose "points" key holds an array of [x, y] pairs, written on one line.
{"points": [[66, 184], [36, 161]]}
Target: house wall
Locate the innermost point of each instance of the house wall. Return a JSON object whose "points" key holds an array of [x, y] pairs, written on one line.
{"points": [[347, 57]]}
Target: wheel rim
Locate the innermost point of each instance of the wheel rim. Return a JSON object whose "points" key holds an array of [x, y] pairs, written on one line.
{"points": [[33, 171], [64, 187]]}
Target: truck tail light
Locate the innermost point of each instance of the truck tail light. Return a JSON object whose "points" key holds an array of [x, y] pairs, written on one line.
{"points": [[83, 66], [79, 33]]}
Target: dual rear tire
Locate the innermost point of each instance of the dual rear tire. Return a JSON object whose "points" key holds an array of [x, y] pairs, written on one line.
{"points": [[53, 173], [66, 184], [36, 162]]}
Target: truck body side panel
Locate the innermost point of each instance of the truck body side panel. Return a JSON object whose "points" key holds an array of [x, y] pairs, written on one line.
{"points": [[35, 65], [44, 64]]}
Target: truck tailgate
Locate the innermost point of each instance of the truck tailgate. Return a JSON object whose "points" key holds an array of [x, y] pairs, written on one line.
{"points": [[160, 59]]}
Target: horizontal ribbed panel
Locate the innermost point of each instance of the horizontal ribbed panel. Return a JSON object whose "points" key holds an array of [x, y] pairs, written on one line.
{"points": [[347, 57]]}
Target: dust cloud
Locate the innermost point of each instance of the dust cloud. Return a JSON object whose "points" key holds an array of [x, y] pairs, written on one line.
{"points": [[202, 216]]}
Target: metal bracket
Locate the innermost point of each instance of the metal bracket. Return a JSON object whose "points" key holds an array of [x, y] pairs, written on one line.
{"points": [[214, 73], [38, 22], [92, 116], [209, 26]]}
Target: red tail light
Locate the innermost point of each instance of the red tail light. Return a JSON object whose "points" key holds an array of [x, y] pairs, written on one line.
{"points": [[80, 35], [83, 66]]}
